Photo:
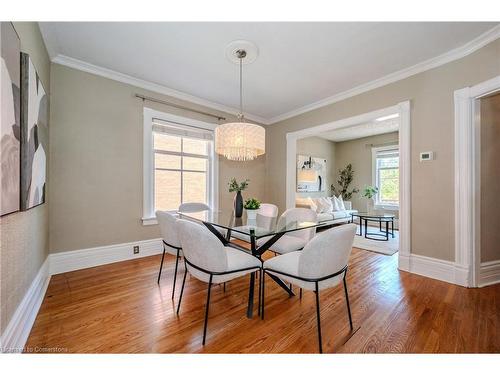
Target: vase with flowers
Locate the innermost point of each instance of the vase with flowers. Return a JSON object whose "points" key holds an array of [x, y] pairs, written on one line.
{"points": [[252, 205], [369, 192], [238, 187]]}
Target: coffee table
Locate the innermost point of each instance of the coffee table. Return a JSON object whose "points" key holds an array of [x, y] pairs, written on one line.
{"points": [[383, 218]]}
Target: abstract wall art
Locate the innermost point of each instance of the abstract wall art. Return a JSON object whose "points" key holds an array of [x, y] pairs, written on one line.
{"points": [[10, 151], [34, 136], [311, 174]]}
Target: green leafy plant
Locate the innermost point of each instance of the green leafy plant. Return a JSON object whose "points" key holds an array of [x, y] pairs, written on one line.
{"points": [[370, 191], [252, 204], [235, 186], [346, 176]]}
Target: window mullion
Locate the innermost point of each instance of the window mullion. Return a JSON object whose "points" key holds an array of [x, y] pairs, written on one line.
{"points": [[182, 170]]}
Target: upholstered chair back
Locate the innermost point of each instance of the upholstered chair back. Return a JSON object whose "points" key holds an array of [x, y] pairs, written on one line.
{"points": [[301, 215], [168, 228], [328, 252], [193, 207], [267, 215], [201, 247]]}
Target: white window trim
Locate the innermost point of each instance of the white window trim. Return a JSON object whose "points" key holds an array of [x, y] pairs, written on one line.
{"points": [[378, 205], [148, 214]]}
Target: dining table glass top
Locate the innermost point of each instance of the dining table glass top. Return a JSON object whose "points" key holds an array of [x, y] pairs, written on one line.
{"points": [[261, 226]]}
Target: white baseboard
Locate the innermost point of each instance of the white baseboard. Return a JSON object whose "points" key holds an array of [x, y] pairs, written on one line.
{"points": [[434, 268], [18, 330], [489, 273], [97, 256], [16, 334]]}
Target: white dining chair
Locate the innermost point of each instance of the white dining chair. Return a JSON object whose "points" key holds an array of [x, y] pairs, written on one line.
{"points": [[295, 240], [193, 207], [320, 265], [171, 243], [208, 260], [267, 215]]}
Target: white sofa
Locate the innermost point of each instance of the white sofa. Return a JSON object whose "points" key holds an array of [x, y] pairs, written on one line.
{"points": [[332, 217]]}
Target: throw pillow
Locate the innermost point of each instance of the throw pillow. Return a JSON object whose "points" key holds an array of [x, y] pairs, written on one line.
{"points": [[341, 203], [336, 203], [326, 204], [312, 204]]}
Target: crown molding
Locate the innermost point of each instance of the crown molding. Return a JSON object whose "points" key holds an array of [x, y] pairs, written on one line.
{"points": [[455, 54], [147, 85]]}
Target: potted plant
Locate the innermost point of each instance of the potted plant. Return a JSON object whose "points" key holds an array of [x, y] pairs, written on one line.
{"points": [[369, 192], [346, 176], [234, 186], [252, 205]]}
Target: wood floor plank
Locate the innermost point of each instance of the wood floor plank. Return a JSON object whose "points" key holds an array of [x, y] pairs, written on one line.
{"points": [[119, 308]]}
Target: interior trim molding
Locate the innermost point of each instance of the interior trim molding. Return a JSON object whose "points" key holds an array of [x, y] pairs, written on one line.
{"points": [[17, 332], [467, 180], [403, 109], [149, 116], [489, 273], [455, 54], [449, 56], [148, 85], [434, 268], [96, 256]]}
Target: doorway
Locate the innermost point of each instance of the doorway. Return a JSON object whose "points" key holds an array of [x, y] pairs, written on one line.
{"points": [[402, 110], [477, 156]]}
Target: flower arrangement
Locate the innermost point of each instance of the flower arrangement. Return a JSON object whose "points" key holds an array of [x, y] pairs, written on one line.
{"points": [[252, 204], [370, 191], [238, 187]]}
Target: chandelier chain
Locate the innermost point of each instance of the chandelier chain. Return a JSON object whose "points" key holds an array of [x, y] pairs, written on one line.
{"points": [[241, 87]]}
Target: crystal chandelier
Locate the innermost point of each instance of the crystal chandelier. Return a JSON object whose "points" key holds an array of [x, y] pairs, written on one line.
{"points": [[240, 140]]}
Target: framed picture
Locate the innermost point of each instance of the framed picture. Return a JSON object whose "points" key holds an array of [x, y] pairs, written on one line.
{"points": [[311, 174], [10, 126], [34, 136]]}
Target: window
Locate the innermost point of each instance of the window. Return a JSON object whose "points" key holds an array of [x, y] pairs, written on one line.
{"points": [[386, 175], [179, 163]]}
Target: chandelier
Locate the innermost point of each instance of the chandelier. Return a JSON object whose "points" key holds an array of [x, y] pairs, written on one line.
{"points": [[240, 140]]}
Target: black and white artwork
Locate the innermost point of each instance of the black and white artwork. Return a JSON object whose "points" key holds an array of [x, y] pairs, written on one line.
{"points": [[311, 174], [10, 151], [34, 136]]}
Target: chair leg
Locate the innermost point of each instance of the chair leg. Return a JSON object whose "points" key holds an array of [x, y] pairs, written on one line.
{"points": [[182, 289], [161, 264], [206, 309], [260, 288], [175, 272], [224, 287], [318, 319], [291, 287], [300, 293], [263, 281], [347, 300]]}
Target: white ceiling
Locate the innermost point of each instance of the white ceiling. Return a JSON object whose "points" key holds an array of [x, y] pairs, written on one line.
{"points": [[299, 64], [362, 130]]}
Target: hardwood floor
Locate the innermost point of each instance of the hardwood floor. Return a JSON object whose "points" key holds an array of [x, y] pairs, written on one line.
{"points": [[119, 308]]}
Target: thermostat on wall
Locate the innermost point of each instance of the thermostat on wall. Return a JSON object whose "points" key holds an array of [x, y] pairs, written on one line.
{"points": [[425, 156]]}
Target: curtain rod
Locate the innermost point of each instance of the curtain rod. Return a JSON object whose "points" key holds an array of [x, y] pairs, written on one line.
{"points": [[392, 143], [150, 99]]}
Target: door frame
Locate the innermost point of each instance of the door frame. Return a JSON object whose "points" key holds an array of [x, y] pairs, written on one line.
{"points": [[467, 183], [403, 109]]}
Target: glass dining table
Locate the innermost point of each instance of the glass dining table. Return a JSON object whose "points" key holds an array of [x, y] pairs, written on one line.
{"points": [[261, 233]]}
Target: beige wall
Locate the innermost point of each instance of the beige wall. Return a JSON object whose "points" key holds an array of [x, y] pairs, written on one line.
{"points": [[358, 152], [24, 235], [432, 124], [96, 162], [319, 148], [490, 178]]}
